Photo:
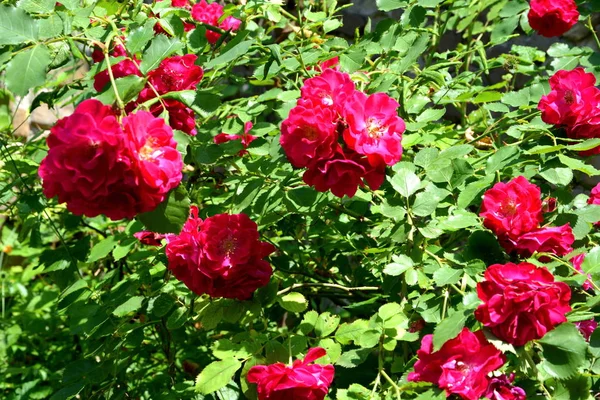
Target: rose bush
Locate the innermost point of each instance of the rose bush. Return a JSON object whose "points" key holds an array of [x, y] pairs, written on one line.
{"points": [[320, 199]]}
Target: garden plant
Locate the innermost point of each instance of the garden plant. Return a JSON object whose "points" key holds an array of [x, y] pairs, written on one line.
{"points": [[299, 200]]}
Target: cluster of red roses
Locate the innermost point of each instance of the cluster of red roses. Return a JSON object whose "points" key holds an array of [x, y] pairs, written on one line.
{"points": [[221, 256], [206, 13], [330, 109], [552, 17], [98, 165], [513, 211], [520, 303], [174, 74], [574, 104]]}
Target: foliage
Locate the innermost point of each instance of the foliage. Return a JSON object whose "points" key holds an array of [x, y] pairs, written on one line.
{"points": [[88, 311]]}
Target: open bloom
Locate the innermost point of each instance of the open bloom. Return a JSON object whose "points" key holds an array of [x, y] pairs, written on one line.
{"points": [[309, 134], [374, 128], [221, 256], [552, 17], [329, 89], [513, 208], [176, 73], [553, 239], [303, 380], [460, 367], [97, 166], [572, 98], [521, 302]]}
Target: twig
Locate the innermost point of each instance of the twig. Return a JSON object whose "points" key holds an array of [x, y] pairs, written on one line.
{"points": [[329, 285]]}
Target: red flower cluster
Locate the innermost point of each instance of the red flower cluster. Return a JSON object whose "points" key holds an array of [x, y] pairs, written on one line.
{"points": [[119, 70], [574, 104], [521, 302], [331, 108], [174, 74], [461, 366], [301, 380], [211, 14], [186, 25], [246, 138], [98, 166], [501, 388], [552, 17], [513, 211], [221, 256]]}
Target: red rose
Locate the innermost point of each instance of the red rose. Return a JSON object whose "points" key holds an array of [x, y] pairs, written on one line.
{"points": [[549, 205], [119, 70], [333, 63], [221, 256], [512, 209], [300, 381], [595, 195], [210, 14], [149, 238], [329, 89], [586, 328], [374, 128], [553, 239], [577, 261], [460, 367], [521, 302], [341, 175], [176, 73], [87, 165], [118, 51], [158, 162], [245, 138], [309, 134], [572, 98], [552, 17], [501, 388]]}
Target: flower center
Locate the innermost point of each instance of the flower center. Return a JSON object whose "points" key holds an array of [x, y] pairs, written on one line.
{"points": [[374, 128], [509, 207], [228, 245], [310, 133], [148, 150], [569, 97], [326, 99]]}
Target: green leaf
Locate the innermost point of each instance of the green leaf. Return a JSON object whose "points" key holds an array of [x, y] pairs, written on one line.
{"points": [[160, 305], [102, 249], [326, 324], [405, 182], [37, 6], [502, 157], [415, 50], [128, 87], [308, 322], [178, 318], [170, 215], [390, 5], [132, 305], [216, 375], [28, 69], [447, 276], [140, 36], [563, 351], [558, 176], [576, 388], [160, 48], [16, 27], [449, 328], [353, 358], [202, 103], [293, 302], [591, 262], [351, 332], [231, 54], [401, 263], [578, 165]]}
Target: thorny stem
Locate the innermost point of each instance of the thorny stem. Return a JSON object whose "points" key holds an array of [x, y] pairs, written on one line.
{"points": [[329, 285], [111, 76], [590, 26]]}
